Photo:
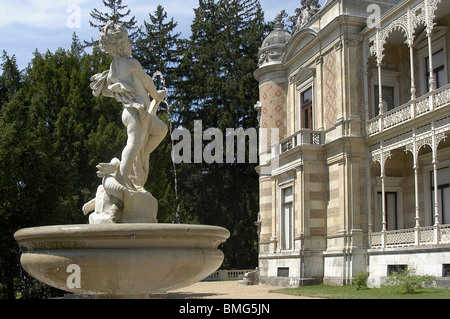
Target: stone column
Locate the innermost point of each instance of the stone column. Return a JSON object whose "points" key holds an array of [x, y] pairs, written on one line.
{"points": [[300, 202], [413, 76], [413, 149], [369, 198], [384, 158], [416, 195], [431, 80], [273, 237], [380, 91], [380, 84], [319, 124], [410, 42], [435, 188], [429, 16]]}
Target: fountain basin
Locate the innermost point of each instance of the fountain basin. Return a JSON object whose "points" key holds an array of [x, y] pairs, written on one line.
{"points": [[120, 260]]}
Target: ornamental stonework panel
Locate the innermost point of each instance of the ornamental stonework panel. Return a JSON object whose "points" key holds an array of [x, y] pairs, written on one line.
{"points": [[273, 111], [330, 89], [317, 214]]}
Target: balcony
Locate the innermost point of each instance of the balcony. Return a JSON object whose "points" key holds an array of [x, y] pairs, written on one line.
{"points": [[411, 110], [431, 235], [302, 137]]}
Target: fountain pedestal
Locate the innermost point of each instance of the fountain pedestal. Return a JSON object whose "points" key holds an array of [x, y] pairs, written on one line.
{"points": [[121, 260]]}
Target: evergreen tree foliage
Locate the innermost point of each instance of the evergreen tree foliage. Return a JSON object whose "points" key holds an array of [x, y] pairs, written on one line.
{"points": [[48, 150], [158, 49], [53, 131], [218, 88], [157, 44], [10, 78], [118, 13]]}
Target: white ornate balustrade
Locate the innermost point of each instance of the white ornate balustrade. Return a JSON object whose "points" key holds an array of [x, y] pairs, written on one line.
{"points": [[410, 17], [421, 236], [406, 112], [223, 275], [302, 137]]}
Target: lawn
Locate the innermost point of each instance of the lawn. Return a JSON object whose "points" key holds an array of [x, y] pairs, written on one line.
{"points": [[350, 292]]}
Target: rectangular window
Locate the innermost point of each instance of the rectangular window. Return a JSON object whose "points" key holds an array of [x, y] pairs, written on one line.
{"points": [[443, 189], [283, 272], [439, 73], [286, 222], [446, 270], [306, 104], [391, 203], [396, 268]]}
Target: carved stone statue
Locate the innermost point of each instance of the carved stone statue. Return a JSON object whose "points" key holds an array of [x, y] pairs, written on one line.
{"points": [[305, 14], [122, 198]]}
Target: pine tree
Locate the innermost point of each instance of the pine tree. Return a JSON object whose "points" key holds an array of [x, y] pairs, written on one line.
{"points": [[243, 34], [37, 182], [10, 78], [117, 13], [158, 49], [219, 89], [76, 48], [157, 44]]}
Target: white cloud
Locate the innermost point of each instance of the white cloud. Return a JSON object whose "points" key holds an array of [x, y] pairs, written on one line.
{"points": [[29, 24], [41, 13], [53, 13]]}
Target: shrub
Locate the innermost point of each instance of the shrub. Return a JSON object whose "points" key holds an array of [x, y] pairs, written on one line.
{"points": [[408, 282], [360, 281]]}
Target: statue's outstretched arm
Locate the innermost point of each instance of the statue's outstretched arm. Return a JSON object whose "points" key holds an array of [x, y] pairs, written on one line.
{"points": [[147, 81]]}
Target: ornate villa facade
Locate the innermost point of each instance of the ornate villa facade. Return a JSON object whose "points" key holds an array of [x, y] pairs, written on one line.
{"points": [[356, 173]]}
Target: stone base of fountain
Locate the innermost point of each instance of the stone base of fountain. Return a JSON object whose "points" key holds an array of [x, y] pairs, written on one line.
{"points": [[121, 260]]}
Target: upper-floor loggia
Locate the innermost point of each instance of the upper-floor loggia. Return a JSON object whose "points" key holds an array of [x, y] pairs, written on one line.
{"points": [[406, 64]]}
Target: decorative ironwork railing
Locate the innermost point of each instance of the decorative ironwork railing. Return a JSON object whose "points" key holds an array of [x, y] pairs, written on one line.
{"points": [[426, 235], [397, 116], [442, 96], [376, 240], [423, 104], [400, 238], [411, 237], [409, 111], [445, 234]]}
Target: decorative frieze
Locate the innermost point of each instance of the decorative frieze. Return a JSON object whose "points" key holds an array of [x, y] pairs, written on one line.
{"points": [[423, 137], [413, 18]]}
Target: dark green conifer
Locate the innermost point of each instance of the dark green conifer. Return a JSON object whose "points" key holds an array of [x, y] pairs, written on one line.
{"points": [[118, 13]]}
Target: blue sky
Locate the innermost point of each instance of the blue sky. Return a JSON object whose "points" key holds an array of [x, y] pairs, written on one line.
{"points": [[26, 25]]}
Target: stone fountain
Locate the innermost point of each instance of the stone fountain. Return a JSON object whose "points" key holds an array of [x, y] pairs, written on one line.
{"points": [[123, 252]]}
